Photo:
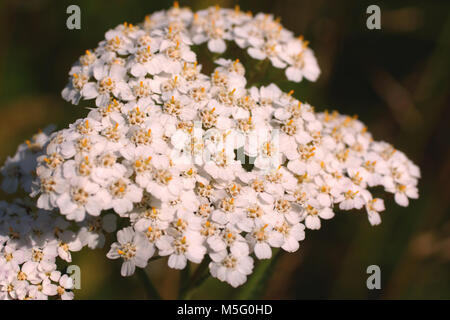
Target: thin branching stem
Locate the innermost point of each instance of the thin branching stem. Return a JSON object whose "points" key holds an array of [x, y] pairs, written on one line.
{"points": [[152, 293]]}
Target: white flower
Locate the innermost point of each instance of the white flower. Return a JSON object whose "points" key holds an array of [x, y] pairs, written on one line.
{"points": [[227, 238], [270, 50], [314, 212], [373, 208], [83, 196], [301, 60], [27, 263], [233, 268], [402, 192], [91, 233], [69, 242], [349, 196], [12, 257], [112, 82], [122, 194], [18, 170], [188, 246], [146, 61], [262, 238], [133, 248], [214, 32], [292, 234], [165, 185], [65, 284]]}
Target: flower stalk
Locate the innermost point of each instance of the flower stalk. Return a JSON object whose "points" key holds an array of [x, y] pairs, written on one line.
{"points": [[150, 289]]}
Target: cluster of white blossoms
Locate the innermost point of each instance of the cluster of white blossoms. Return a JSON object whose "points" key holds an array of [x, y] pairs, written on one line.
{"points": [[134, 63], [201, 166], [18, 170], [31, 241], [36, 243]]}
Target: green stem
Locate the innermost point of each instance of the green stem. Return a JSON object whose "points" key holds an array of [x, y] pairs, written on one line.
{"points": [[191, 291], [197, 279], [256, 285], [149, 287], [184, 280], [155, 258]]}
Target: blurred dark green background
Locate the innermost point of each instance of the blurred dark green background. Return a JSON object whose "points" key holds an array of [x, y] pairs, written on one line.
{"points": [[396, 79]]}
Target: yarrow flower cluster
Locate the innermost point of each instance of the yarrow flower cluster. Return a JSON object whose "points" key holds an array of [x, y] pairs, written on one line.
{"points": [[31, 243], [198, 166]]}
